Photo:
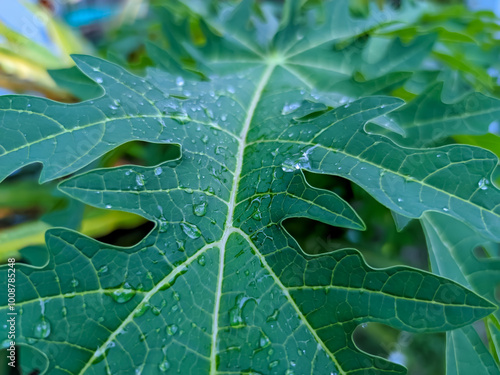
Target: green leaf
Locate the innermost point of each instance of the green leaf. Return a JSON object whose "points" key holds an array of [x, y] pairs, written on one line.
{"points": [[451, 244], [218, 286], [427, 119]]}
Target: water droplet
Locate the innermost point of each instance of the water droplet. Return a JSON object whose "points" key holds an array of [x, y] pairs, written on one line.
{"points": [[172, 329], [122, 295], [181, 117], [230, 89], [273, 364], [180, 245], [445, 209], [400, 199], [483, 183], [102, 270], [176, 296], [264, 341], [204, 139], [143, 307], [162, 225], [42, 329], [74, 283], [139, 179], [273, 316], [190, 230], [101, 352], [108, 206], [257, 215], [179, 81], [98, 80], [164, 366], [289, 108], [223, 117], [158, 171], [200, 209], [201, 260], [235, 319]]}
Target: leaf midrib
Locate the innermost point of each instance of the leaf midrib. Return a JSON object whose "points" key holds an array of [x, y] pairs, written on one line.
{"points": [[228, 228]]}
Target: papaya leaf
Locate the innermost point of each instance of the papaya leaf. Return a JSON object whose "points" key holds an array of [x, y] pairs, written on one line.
{"points": [[218, 286], [451, 247]]}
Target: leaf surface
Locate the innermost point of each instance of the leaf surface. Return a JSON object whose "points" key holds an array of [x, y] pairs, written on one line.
{"points": [[218, 286]]}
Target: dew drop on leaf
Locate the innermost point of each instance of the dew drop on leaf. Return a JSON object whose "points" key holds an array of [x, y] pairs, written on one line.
{"points": [[264, 341], [143, 307], [42, 329], [273, 316], [483, 183], [164, 366], [273, 364], [172, 329], [180, 245], [257, 215], [179, 81], [162, 225], [289, 108], [139, 179], [200, 209], [158, 171], [201, 260], [122, 295], [190, 230]]}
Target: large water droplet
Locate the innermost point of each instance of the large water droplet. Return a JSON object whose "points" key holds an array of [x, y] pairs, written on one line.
{"points": [[190, 230], [172, 329], [483, 183], [257, 215], [179, 81], [158, 171], [201, 260], [180, 245], [264, 341], [200, 209], [139, 179], [143, 307], [164, 366], [122, 295], [162, 225], [42, 329], [101, 352]]}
